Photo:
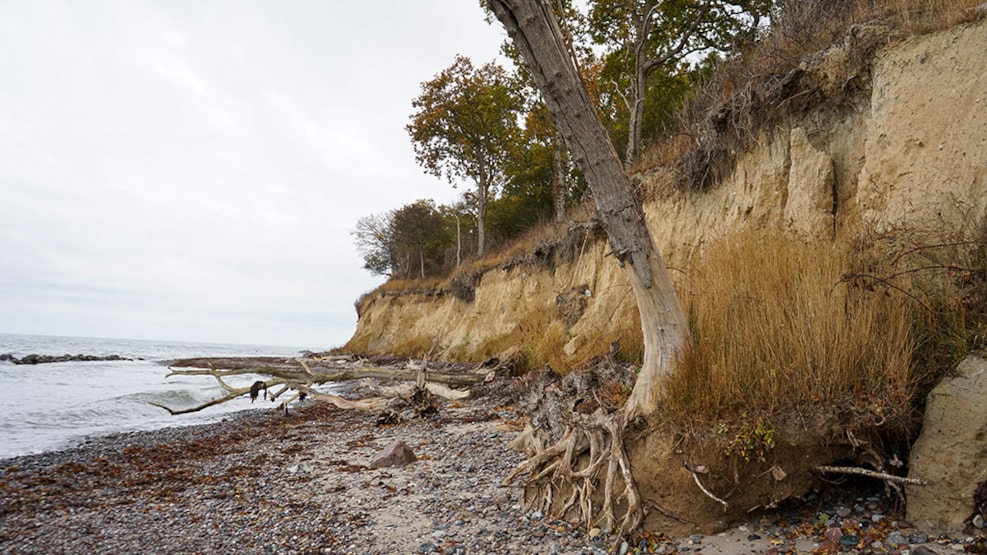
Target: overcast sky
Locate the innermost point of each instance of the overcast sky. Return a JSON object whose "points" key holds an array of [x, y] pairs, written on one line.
{"points": [[191, 170]]}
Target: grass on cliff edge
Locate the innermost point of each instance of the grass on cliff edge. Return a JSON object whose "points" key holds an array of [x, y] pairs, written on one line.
{"points": [[869, 326], [775, 328]]}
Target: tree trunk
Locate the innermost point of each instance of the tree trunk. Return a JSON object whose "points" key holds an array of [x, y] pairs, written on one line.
{"points": [[559, 182], [534, 30], [481, 214], [636, 120], [459, 240], [638, 87]]}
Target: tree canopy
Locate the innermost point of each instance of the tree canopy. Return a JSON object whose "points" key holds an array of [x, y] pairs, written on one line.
{"points": [[465, 127], [410, 241], [649, 49], [487, 127]]}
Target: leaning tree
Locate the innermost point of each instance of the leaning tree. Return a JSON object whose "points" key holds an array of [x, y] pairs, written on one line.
{"points": [[532, 26]]}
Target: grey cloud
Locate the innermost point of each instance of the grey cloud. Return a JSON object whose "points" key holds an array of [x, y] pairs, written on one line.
{"points": [[191, 170]]}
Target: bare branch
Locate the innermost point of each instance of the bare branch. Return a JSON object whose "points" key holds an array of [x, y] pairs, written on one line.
{"points": [[695, 476], [370, 404], [234, 392], [870, 474]]}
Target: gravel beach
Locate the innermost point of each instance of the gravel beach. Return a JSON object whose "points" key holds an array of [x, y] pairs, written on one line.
{"points": [[265, 482]]}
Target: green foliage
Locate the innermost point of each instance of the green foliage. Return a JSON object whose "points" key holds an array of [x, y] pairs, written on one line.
{"points": [[465, 127], [406, 242], [527, 196], [420, 233], [649, 50], [753, 440]]}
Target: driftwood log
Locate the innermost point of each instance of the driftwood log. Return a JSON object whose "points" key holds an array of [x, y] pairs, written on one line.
{"points": [[298, 377]]}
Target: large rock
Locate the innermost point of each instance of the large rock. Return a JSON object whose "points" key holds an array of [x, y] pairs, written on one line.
{"points": [[950, 454], [396, 454]]}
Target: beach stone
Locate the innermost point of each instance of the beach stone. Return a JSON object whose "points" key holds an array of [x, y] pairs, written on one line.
{"points": [[396, 454], [918, 537], [849, 540], [948, 453], [896, 538], [833, 534], [922, 550]]}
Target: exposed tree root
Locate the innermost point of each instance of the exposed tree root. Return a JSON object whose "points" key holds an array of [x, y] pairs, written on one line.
{"points": [[592, 445], [696, 471]]}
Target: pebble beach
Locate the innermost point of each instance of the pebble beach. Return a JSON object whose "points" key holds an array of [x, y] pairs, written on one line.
{"points": [[302, 482]]}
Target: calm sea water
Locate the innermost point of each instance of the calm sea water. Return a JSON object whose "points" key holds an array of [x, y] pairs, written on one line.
{"points": [[58, 405]]}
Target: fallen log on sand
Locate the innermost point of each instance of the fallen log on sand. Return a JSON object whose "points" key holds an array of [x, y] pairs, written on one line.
{"points": [[300, 375]]}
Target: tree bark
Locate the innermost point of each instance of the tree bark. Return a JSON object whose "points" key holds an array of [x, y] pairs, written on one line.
{"points": [[636, 116], [534, 30], [559, 181], [638, 88], [483, 189]]}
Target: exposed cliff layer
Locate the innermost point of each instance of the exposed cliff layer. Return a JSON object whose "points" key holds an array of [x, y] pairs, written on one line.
{"points": [[905, 150]]}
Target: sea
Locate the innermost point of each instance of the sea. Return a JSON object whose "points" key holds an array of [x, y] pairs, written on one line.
{"points": [[53, 406]]}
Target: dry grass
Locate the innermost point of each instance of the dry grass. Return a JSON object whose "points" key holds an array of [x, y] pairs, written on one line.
{"points": [[808, 26], [775, 329], [406, 285], [943, 273]]}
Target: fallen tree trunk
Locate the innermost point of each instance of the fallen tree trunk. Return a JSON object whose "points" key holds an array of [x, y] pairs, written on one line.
{"points": [[298, 376], [320, 376]]}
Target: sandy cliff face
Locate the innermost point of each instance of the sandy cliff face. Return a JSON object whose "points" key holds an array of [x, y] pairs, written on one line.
{"points": [[909, 152]]}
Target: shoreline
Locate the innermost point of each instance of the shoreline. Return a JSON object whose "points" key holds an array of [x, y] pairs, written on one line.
{"points": [[262, 482]]}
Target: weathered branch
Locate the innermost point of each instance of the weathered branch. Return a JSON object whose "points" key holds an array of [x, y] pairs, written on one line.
{"points": [[696, 470], [370, 404], [232, 393], [869, 473], [304, 378], [322, 375]]}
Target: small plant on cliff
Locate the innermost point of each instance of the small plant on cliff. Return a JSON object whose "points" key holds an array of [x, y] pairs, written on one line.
{"points": [[753, 440]]}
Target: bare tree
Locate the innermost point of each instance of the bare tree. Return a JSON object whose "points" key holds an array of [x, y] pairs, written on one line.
{"points": [[532, 26]]}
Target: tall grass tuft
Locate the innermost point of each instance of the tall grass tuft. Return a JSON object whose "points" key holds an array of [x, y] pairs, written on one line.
{"points": [[775, 328]]}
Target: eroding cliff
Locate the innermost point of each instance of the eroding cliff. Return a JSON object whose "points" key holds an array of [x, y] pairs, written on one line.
{"points": [[905, 150]]}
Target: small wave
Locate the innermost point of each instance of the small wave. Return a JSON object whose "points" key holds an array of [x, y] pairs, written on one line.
{"points": [[170, 397]]}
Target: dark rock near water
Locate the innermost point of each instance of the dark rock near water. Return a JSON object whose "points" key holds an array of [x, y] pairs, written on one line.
{"points": [[46, 359]]}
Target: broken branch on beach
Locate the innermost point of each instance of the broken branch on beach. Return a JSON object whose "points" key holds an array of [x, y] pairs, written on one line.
{"points": [[300, 376]]}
